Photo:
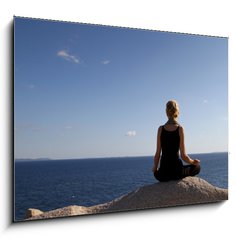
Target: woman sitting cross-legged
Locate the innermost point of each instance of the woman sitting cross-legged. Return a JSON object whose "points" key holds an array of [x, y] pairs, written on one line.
{"points": [[170, 141]]}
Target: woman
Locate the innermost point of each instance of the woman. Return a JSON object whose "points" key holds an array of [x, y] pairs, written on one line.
{"points": [[170, 140]]}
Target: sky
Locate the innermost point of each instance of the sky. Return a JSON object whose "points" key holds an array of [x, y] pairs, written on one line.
{"points": [[84, 91]]}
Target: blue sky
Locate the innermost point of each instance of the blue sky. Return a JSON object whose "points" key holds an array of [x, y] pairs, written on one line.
{"points": [[97, 91]]}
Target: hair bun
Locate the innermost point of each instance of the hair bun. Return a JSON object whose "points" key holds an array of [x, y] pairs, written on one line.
{"points": [[172, 109]]}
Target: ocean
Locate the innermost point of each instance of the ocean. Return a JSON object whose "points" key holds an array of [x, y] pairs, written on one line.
{"points": [[51, 184]]}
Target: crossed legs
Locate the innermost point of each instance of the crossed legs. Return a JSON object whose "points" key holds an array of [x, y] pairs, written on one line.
{"points": [[187, 170]]}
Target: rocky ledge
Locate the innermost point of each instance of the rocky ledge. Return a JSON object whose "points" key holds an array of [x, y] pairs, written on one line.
{"points": [[190, 190]]}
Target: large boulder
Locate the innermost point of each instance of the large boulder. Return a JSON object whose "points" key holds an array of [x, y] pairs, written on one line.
{"points": [[190, 190]]}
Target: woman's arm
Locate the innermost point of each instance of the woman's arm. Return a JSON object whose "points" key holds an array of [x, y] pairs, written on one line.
{"points": [[183, 154], [158, 151]]}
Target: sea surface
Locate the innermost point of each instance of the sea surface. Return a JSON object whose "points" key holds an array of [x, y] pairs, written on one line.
{"points": [[51, 184]]}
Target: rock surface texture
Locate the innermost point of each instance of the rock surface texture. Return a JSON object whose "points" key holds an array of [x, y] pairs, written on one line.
{"points": [[190, 190]]}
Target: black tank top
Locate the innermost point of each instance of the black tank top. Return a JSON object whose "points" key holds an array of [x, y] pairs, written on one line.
{"points": [[170, 164]]}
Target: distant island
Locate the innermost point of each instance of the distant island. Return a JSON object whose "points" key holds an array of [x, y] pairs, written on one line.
{"points": [[31, 159]]}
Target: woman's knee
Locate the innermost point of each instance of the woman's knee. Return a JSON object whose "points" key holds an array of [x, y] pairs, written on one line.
{"points": [[160, 177], [157, 175], [196, 169]]}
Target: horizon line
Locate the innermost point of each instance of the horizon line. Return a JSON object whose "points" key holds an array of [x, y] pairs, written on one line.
{"points": [[84, 158]]}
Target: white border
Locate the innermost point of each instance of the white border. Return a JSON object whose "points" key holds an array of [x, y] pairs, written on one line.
{"points": [[211, 221]]}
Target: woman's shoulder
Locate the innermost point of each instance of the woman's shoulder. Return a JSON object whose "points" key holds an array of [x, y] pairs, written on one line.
{"points": [[181, 128], [160, 128]]}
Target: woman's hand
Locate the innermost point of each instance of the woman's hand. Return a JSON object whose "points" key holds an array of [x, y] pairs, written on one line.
{"points": [[196, 162]]}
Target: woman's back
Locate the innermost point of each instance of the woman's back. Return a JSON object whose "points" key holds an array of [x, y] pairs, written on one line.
{"points": [[170, 142]]}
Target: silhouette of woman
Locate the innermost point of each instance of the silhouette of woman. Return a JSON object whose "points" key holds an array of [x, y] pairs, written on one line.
{"points": [[170, 141]]}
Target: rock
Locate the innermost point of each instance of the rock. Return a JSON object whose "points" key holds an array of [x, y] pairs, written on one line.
{"points": [[190, 190], [32, 212]]}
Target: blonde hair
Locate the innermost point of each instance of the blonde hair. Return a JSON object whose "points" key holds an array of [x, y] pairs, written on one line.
{"points": [[172, 109]]}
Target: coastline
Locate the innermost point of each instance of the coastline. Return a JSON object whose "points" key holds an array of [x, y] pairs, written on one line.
{"points": [[190, 190], [54, 184]]}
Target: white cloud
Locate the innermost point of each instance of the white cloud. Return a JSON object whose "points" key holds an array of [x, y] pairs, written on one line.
{"points": [[65, 55], [205, 101], [30, 86], [131, 133], [105, 62]]}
